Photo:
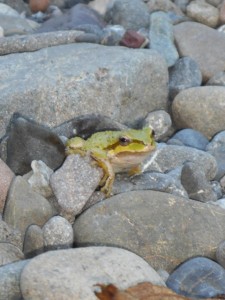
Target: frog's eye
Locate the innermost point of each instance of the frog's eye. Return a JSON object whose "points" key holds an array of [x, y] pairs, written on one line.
{"points": [[124, 141], [153, 133]]}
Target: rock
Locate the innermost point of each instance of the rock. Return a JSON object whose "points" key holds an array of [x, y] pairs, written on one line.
{"points": [[14, 25], [222, 13], [10, 235], [166, 158], [161, 37], [1, 32], [203, 44], [73, 184], [218, 79], [40, 177], [195, 183], [131, 14], [199, 277], [183, 75], [64, 90], [164, 5], [18, 5], [57, 233], [191, 138], [220, 254], [38, 5], [7, 10], [99, 5], [33, 241], [215, 3], [220, 203], [133, 39], [25, 207], [9, 253], [203, 12], [6, 176], [216, 148], [194, 107], [160, 121], [182, 4], [154, 226], [30, 141], [73, 273], [10, 280]]}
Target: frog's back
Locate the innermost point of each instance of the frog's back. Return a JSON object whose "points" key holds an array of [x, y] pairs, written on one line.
{"points": [[102, 140]]}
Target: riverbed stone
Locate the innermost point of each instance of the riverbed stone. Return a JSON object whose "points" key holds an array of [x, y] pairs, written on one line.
{"points": [[9, 253], [6, 176], [153, 225], [33, 241]]}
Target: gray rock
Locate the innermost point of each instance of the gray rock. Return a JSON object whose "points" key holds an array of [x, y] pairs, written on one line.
{"points": [[9, 253], [217, 79], [193, 107], [166, 158], [131, 14], [220, 254], [63, 85], [73, 184], [160, 227], [160, 121], [198, 277], [7, 10], [191, 138], [10, 280], [14, 25], [6, 176], [25, 207], [220, 203], [73, 273], [216, 148], [183, 75], [18, 5], [58, 234], [161, 37], [203, 44], [33, 241], [30, 141], [10, 235], [195, 183]]}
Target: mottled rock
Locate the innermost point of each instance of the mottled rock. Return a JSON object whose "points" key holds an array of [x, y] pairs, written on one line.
{"points": [[30, 141], [222, 13], [57, 233], [131, 14], [73, 184], [196, 107], [6, 176], [14, 25], [191, 138], [25, 207], [10, 280], [195, 183], [63, 86], [154, 226], [168, 157], [217, 79], [198, 277], [73, 273], [33, 241], [203, 44], [10, 235], [9, 253], [164, 5], [203, 12], [161, 37], [183, 75]]}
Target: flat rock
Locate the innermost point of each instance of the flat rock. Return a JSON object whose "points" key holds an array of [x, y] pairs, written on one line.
{"points": [[90, 86], [163, 229], [9, 253], [192, 107], [202, 43], [73, 273]]}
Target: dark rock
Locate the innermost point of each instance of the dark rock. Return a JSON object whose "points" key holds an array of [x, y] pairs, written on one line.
{"points": [[33, 241], [198, 277], [30, 141], [133, 39]]}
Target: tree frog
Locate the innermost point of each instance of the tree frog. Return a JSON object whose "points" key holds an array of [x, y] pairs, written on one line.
{"points": [[115, 152]]}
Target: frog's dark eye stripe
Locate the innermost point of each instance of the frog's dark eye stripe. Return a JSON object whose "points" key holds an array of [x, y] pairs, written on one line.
{"points": [[124, 141], [153, 132]]}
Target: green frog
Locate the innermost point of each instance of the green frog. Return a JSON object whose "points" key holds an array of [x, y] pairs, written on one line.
{"points": [[115, 152]]}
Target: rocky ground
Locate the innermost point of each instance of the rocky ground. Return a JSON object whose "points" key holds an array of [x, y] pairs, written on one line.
{"points": [[77, 68]]}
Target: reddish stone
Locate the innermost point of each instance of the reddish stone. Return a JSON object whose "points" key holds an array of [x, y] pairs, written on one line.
{"points": [[6, 176], [132, 39], [38, 5]]}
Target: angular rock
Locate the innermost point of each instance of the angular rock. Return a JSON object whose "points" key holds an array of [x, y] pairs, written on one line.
{"points": [[30, 141], [164, 5], [6, 176], [25, 207], [218, 79], [131, 14], [73, 184], [10, 280], [10, 235], [33, 241], [63, 85], [183, 75], [199, 277], [57, 233], [73, 273], [133, 39], [203, 44], [161, 37], [166, 158], [9, 253], [193, 107], [159, 227]]}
